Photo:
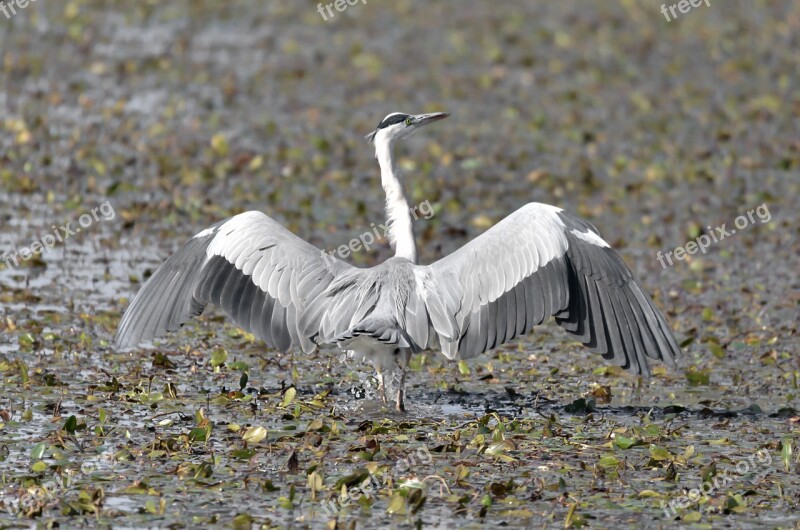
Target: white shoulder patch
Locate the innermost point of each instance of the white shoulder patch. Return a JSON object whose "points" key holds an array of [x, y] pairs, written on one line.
{"points": [[589, 237], [203, 233]]}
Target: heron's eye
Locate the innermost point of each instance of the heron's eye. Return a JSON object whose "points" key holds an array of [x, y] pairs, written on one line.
{"points": [[408, 121]]}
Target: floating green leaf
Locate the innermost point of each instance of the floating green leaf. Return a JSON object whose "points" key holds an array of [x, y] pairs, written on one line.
{"points": [[218, 357], [288, 397], [659, 453], [697, 378], [623, 442], [254, 434], [71, 424], [786, 453], [37, 451]]}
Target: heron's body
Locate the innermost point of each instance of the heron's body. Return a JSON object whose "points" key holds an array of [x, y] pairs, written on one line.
{"points": [[536, 263]]}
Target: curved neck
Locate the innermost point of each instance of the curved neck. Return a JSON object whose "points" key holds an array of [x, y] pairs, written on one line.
{"points": [[401, 233]]}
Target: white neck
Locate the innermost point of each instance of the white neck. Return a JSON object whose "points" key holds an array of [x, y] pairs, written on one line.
{"points": [[401, 233]]}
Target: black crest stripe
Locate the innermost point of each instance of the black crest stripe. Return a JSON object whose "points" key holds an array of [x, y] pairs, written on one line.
{"points": [[391, 120]]}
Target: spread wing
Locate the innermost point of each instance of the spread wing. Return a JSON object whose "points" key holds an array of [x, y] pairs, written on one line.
{"points": [[272, 283], [536, 263]]}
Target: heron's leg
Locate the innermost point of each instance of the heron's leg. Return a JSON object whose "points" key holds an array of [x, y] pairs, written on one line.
{"points": [[401, 383], [381, 385]]}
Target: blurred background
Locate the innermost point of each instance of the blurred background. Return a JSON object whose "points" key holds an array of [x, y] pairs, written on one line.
{"points": [[180, 114]]}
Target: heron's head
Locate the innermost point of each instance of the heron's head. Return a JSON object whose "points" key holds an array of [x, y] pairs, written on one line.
{"points": [[399, 125]]}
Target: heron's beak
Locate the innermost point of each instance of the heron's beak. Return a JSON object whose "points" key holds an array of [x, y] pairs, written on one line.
{"points": [[425, 119]]}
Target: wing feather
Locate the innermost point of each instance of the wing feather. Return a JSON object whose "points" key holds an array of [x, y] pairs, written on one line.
{"points": [[268, 280], [536, 263]]}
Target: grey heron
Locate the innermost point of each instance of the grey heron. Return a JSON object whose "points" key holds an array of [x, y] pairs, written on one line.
{"points": [[538, 262]]}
